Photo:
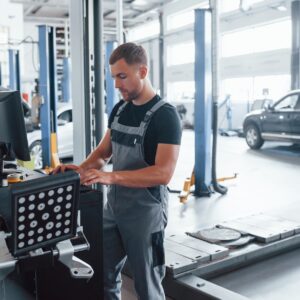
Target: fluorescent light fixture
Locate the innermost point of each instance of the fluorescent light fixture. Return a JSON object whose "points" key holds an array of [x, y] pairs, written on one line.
{"points": [[281, 7], [245, 5], [140, 2]]}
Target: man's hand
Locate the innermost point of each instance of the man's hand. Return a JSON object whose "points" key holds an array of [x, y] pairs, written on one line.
{"points": [[63, 168], [158, 174], [93, 176]]}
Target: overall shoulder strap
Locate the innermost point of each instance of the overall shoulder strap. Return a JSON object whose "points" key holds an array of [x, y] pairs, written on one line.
{"points": [[148, 116], [153, 109], [121, 108], [117, 115]]}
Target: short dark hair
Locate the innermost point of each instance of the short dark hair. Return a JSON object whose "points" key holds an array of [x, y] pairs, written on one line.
{"points": [[131, 52]]}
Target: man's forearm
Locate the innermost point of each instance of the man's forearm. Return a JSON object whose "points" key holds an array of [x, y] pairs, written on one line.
{"points": [[160, 173], [146, 177], [97, 159], [93, 162]]}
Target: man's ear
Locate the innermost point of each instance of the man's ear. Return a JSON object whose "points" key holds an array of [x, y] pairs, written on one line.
{"points": [[143, 71]]}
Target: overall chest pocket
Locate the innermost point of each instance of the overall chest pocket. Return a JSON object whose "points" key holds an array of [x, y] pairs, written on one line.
{"points": [[129, 140]]}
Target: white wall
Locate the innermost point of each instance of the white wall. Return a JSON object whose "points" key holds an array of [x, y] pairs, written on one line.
{"points": [[3, 12], [11, 16], [152, 48], [274, 62], [31, 53]]}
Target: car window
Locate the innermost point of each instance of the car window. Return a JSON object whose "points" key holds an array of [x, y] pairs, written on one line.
{"points": [[66, 116], [261, 103], [297, 106], [288, 102]]}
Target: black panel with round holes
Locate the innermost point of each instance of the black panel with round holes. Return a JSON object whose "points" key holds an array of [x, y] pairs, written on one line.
{"points": [[44, 211]]}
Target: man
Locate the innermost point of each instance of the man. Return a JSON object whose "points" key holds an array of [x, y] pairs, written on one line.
{"points": [[143, 138]]}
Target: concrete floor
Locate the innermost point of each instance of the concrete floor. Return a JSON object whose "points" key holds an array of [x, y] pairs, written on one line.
{"points": [[268, 180]]}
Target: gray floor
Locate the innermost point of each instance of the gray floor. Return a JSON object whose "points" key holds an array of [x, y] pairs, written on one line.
{"points": [[268, 180]]}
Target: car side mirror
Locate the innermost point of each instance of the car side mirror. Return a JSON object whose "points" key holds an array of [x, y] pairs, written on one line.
{"points": [[270, 107]]}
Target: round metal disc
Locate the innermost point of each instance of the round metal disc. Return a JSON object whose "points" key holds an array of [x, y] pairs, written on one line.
{"points": [[219, 234]]}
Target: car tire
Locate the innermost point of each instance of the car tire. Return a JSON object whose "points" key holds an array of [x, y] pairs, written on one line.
{"points": [[36, 153], [253, 137]]}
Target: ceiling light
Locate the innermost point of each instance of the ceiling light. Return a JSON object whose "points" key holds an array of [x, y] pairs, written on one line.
{"points": [[245, 5], [140, 2], [281, 7]]}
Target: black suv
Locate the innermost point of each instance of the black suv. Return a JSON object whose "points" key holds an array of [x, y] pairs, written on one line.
{"points": [[277, 122]]}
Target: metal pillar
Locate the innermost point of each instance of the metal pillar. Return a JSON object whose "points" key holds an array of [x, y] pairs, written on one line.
{"points": [[87, 75], [99, 70], [77, 33], [47, 88], [295, 58], [120, 37], [14, 70], [203, 102], [66, 81], [161, 56], [111, 95], [0, 74]]}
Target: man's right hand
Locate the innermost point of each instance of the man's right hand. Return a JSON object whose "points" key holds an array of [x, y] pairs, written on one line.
{"points": [[63, 168]]}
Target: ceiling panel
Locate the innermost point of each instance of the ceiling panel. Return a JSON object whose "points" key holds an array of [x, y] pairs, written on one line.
{"points": [[59, 9]]}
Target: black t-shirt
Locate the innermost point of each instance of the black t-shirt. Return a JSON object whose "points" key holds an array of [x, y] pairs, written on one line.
{"points": [[164, 126]]}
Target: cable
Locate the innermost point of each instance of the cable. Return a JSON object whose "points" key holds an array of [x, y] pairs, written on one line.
{"points": [[173, 191], [32, 52], [32, 57], [25, 41], [217, 187]]}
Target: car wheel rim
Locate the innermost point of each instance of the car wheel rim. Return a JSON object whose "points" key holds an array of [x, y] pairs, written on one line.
{"points": [[36, 152], [252, 137]]}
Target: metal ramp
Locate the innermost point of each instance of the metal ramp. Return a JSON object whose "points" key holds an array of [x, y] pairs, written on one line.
{"points": [[264, 227], [191, 262], [194, 251]]}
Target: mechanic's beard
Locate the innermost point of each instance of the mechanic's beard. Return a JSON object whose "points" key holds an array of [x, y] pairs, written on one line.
{"points": [[131, 96]]}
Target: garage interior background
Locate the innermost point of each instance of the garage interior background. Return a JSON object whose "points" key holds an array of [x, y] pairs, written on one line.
{"points": [[255, 52]]}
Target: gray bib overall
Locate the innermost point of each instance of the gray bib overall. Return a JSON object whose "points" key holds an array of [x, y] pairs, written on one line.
{"points": [[134, 218]]}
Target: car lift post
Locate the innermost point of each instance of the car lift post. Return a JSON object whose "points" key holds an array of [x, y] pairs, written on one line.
{"points": [[48, 90], [203, 102], [14, 70]]}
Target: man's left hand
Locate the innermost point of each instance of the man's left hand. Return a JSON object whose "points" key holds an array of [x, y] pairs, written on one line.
{"points": [[93, 176]]}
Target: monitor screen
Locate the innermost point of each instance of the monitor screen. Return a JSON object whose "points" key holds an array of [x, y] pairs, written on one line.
{"points": [[13, 138]]}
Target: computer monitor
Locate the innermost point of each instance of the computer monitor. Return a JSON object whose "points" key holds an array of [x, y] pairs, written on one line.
{"points": [[13, 138]]}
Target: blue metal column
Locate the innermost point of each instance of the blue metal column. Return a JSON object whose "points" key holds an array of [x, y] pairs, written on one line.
{"points": [[66, 82], [203, 103], [111, 95], [14, 70], [48, 88]]}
